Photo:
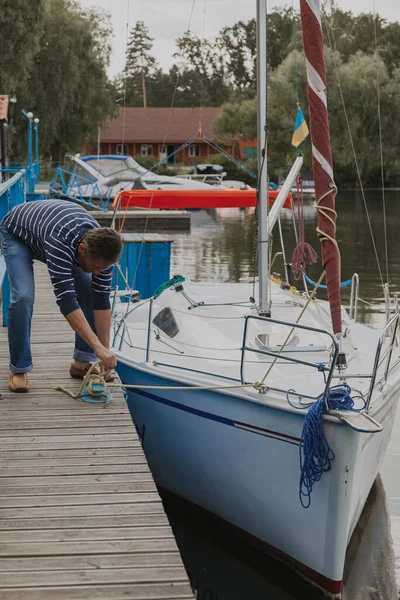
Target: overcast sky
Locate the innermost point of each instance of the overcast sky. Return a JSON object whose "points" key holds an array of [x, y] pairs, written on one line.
{"points": [[169, 19]]}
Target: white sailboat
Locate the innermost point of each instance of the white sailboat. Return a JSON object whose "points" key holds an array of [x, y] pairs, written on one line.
{"points": [[223, 385]]}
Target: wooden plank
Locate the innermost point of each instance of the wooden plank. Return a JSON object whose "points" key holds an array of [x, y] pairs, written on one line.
{"points": [[161, 591], [44, 407], [44, 480], [90, 561], [90, 547], [105, 510], [131, 575], [83, 535], [127, 436], [42, 471], [76, 499], [136, 520], [71, 461], [72, 433], [63, 424], [29, 455], [74, 488], [80, 515], [59, 444]]}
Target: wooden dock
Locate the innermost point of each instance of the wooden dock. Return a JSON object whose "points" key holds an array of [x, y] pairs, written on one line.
{"points": [[80, 515], [146, 220]]}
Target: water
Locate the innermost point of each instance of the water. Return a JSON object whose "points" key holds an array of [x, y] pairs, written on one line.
{"points": [[220, 247]]}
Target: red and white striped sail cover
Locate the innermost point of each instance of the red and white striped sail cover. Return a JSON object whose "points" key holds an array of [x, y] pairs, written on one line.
{"points": [[321, 149]]}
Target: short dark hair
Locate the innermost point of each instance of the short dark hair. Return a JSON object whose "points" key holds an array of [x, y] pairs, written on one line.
{"points": [[104, 243]]}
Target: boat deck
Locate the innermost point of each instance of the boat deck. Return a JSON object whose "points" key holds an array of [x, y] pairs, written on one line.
{"points": [[80, 515]]}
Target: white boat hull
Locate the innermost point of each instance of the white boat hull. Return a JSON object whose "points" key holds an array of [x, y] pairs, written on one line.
{"points": [[240, 461], [235, 451]]}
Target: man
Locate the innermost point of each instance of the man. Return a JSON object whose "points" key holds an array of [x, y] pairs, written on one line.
{"points": [[79, 255]]}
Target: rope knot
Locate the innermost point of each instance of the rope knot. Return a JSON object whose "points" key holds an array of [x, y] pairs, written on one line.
{"points": [[260, 387], [94, 387], [96, 384]]}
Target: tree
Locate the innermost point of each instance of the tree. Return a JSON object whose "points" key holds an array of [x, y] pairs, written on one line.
{"points": [[238, 45], [200, 63], [67, 85], [284, 34], [20, 26], [140, 65], [237, 121], [358, 84], [368, 33]]}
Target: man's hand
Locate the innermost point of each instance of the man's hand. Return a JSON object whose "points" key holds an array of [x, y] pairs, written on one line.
{"points": [[109, 359], [80, 325]]}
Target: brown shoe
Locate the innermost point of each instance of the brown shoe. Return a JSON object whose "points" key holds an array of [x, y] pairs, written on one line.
{"points": [[77, 373], [18, 382], [80, 373]]}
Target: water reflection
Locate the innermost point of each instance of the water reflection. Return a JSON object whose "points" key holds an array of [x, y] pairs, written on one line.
{"points": [[220, 248], [223, 567], [370, 560]]}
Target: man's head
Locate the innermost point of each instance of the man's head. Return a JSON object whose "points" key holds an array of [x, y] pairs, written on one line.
{"points": [[98, 249]]}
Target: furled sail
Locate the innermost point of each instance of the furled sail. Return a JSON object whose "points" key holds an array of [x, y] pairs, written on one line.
{"points": [[325, 188]]}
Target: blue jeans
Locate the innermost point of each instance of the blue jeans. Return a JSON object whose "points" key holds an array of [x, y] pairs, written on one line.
{"points": [[19, 261]]}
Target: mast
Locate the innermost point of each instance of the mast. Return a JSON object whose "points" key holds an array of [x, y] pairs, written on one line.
{"points": [[262, 156], [325, 187]]}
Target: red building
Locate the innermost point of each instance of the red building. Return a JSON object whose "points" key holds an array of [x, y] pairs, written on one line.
{"points": [[159, 132]]}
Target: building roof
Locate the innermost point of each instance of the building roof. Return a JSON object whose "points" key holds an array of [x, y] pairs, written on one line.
{"points": [[157, 124]]}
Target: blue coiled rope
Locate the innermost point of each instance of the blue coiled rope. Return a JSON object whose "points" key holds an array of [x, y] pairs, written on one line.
{"points": [[316, 455]]}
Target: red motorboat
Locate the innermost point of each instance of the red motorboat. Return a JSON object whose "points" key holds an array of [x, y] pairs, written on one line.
{"points": [[182, 199]]}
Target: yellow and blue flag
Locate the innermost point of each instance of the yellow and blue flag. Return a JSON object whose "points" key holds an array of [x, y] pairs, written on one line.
{"points": [[300, 129]]}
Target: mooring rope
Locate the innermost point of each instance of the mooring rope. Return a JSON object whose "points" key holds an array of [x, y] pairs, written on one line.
{"points": [[95, 384], [93, 388], [316, 455]]}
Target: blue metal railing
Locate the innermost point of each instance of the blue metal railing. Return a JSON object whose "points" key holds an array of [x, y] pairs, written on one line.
{"points": [[12, 192], [31, 173], [68, 184]]}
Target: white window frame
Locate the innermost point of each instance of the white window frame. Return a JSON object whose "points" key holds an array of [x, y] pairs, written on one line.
{"points": [[146, 150], [120, 148], [194, 150]]}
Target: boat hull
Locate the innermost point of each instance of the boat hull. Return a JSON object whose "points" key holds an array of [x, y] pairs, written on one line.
{"points": [[240, 461], [183, 199]]}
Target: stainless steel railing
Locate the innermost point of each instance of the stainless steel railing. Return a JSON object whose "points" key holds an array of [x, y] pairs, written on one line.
{"points": [[328, 372], [393, 325]]}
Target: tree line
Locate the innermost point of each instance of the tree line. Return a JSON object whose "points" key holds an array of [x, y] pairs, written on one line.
{"points": [[362, 54], [55, 56]]}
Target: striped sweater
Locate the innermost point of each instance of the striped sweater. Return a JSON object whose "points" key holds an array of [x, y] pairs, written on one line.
{"points": [[53, 229]]}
